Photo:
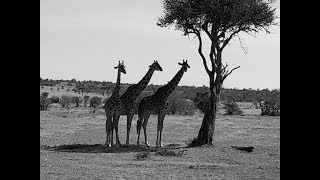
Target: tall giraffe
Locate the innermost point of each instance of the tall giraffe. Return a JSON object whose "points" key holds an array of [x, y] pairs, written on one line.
{"points": [[157, 104], [129, 99], [112, 106]]}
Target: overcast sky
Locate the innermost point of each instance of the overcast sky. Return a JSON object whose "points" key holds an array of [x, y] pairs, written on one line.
{"points": [[84, 39]]}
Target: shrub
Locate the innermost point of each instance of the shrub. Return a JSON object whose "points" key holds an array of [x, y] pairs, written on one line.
{"points": [[270, 108], [95, 101], [65, 100], [45, 94], [181, 105], [232, 108], [54, 99], [44, 103], [201, 101], [142, 155], [76, 100]]}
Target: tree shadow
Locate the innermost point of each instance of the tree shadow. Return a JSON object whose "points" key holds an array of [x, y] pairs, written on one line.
{"points": [[99, 148]]}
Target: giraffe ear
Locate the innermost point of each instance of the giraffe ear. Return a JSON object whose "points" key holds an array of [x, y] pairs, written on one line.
{"points": [[116, 67], [180, 64]]}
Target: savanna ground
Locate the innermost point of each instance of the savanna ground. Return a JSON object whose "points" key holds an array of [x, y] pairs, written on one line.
{"points": [[71, 147]]}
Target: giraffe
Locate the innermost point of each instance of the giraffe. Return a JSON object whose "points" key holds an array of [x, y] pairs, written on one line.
{"points": [[129, 98], [112, 106], [157, 104]]}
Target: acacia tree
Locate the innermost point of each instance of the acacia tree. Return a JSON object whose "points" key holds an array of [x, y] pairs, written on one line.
{"points": [[220, 21]]}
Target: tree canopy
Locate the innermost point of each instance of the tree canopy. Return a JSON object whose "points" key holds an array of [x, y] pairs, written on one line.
{"points": [[219, 19]]}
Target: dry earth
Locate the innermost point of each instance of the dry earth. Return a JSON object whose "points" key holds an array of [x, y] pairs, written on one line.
{"points": [[78, 154]]}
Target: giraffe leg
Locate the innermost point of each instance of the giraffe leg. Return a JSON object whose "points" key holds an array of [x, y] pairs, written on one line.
{"points": [[139, 123], [115, 126], [144, 125], [159, 129], [108, 130], [129, 120], [111, 133]]}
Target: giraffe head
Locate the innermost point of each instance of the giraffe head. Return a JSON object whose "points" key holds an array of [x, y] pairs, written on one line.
{"points": [[121, 67], [184, 65], [156, 66]]}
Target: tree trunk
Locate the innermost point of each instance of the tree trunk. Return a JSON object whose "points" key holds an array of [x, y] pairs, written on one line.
{"points": [[206, 132]]}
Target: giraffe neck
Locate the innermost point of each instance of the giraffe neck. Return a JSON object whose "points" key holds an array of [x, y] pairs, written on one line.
{"points": [[117, 87], [167, 89], [142, 84]]}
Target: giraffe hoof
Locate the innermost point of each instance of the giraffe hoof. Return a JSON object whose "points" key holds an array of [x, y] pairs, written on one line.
{"points": [[107, 145], [147, 145], [159, 146]]}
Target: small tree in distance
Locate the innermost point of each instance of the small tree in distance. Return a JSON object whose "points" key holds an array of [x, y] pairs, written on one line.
{"points": [[220, 21]]}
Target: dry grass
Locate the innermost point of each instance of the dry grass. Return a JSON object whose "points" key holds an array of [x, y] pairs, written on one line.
{"points": [[71, 147]]}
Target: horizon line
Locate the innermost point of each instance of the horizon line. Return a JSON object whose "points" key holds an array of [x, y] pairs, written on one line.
{"points": [[161, 84]]}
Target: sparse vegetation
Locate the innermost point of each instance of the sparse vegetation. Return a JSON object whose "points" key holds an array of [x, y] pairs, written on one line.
{"points": [[201, 101], [232, 108], [95, 101], [270, 108], [65, 101], [76, 100], [45, 94], [142, 155], [44, 103], [177, 104], [54, 99]]}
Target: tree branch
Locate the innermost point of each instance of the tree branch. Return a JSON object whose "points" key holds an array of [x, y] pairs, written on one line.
{"points": [[227, 73], [200, 51], [230, 37]]}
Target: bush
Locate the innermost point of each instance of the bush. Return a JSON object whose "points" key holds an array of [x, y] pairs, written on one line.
{"points": [[54, 99], [270, 108], [201, 101], [232, 108], [142, 155], [95, 101], [181, 105], [76, 100], [44, 103], [65, 100], [45, 94]]}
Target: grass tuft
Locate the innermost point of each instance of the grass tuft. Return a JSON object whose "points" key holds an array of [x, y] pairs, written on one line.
{"points": [[142, 156]]}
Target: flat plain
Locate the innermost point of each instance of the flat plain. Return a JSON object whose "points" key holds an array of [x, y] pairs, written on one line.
{"points": [[71, 147]]}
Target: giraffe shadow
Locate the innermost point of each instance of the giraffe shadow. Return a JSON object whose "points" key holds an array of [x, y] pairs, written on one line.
{"points": [[99, 148]]}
